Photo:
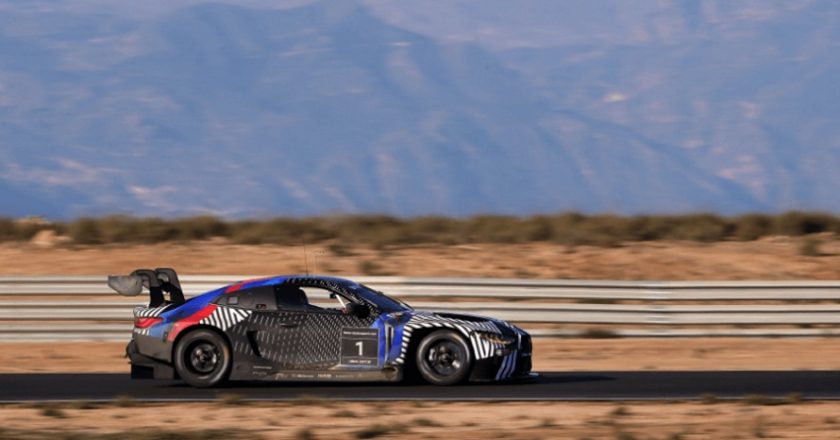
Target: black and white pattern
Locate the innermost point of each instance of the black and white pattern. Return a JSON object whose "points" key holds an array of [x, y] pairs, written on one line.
{"points": [[482, 348], [142, 331], [149, 312], [508, 366], [225, 317]]}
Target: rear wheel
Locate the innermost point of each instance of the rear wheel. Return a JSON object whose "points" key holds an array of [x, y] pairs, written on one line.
{"points": [[202, 358], [444, 358]]}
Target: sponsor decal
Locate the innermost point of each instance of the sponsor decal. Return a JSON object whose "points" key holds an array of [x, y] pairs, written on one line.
{"points": [[359, 346]]}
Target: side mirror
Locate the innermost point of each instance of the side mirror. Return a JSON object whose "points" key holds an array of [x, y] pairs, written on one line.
{"points": [[357, 310]]}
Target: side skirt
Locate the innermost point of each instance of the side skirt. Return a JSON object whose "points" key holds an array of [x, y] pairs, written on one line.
{"points": [[390, 374]]}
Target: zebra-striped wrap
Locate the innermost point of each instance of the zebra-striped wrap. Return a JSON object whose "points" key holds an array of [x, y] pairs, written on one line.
{"points": [[509, 362], [482, 348], [225, 317], [149, 312]]}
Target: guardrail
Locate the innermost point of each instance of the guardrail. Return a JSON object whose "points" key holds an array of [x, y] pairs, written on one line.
{"points": [[55, 308]]}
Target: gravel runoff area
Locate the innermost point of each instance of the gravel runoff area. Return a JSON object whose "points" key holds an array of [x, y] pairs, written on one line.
{"points": [[636, 354], [773, 258], [231, 418]]}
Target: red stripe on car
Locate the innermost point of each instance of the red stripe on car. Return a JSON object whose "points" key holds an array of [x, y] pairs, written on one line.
{"points": [[190, 321]]}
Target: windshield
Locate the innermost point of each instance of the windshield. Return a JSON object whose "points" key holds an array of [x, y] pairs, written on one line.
{"points": [[379, 299]]}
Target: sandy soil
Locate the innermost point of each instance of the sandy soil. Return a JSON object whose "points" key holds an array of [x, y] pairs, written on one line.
{"points": [[769, 259], [549, 355], [310, 419]]}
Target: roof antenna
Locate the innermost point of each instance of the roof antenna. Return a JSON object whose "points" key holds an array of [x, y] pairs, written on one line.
{"points": [[305, 260]]}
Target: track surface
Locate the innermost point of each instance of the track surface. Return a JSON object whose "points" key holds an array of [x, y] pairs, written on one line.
{"points": [[549, 386]]}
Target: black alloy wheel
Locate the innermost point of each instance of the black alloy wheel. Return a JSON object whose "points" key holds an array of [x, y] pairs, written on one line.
{"points": [[444, 358], [202, 358]]}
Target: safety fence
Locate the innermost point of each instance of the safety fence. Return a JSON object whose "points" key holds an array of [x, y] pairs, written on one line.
{"points": [[84, 308]]}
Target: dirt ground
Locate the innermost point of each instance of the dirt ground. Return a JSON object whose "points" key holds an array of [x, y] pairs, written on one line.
{"points": [[549, 355], [317, 419], [772, 258]]}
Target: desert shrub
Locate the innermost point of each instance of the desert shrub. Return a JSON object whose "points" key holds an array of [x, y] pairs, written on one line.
{"points": [[421, 421], [493, 229], [810, 248], [370, 267], [305, 434], [752, 226], [231, 399], [85, 231], [538, 228], [620, 411], [200, 228], [375, 230], [54, 411], [16, 230], [383, 231], [795, 223], [564, 227], [372, 431], [649, 228], [599, 333], [7, 229], [339, 250], [156, 230], [115, 229], [245, 232], [433, 229], [709, 398], [700, 227]]}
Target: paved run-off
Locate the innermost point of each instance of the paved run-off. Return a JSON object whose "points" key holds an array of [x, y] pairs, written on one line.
{"points": [[605, 385]]}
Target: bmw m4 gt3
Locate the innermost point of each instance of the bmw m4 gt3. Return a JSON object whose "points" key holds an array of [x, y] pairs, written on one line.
{"points": [[310, 328]]}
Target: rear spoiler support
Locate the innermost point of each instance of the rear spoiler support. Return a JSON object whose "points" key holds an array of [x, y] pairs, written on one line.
{"points": [[159, 281]]}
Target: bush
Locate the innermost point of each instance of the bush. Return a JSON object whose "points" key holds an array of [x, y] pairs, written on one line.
{"points": [[382, 231], [599, 333], [753, 226], [372, 432], [86, 231], [796, 223], [810, 248], [700, 227]]}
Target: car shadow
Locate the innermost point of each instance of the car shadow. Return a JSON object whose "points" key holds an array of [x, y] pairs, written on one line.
{"points": [[541, 379]]}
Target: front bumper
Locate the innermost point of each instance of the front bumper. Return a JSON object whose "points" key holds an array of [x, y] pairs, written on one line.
{"points": [[515, 364]]}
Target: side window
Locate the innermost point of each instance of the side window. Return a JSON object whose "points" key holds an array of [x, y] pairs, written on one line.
{"points": [[325, 299], [292, 297], [257, 298]]}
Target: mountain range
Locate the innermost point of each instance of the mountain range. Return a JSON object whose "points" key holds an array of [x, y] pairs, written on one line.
{"points": [[260, 108]]}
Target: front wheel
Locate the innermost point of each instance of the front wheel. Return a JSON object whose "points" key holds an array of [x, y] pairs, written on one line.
{"points": [[443, 358], [202, 358]]}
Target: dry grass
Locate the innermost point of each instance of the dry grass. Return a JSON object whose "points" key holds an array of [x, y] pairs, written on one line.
{"points": [[769, 259], [672, 420]]}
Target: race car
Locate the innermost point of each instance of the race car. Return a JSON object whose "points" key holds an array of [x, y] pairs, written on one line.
{"points": [[310, 328]]}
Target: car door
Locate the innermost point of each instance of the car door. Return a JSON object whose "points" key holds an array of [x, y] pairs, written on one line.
{"points": [[331, 338], [271, 333]]}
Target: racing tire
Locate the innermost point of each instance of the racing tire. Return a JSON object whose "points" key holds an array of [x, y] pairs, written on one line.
{"points": [[444, 358], [203, 358]]}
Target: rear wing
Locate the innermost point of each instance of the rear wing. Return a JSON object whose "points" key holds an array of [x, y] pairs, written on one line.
{"points": [[159, 281]]}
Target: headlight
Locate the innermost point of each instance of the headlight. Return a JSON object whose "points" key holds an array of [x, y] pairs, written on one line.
{"points": [[497, 338]]}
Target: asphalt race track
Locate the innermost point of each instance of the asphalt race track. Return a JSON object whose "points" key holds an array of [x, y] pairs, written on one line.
{"points": [[549, 386]]}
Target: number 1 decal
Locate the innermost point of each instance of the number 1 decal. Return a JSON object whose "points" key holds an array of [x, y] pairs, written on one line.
{"points": [[359, 346]]}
